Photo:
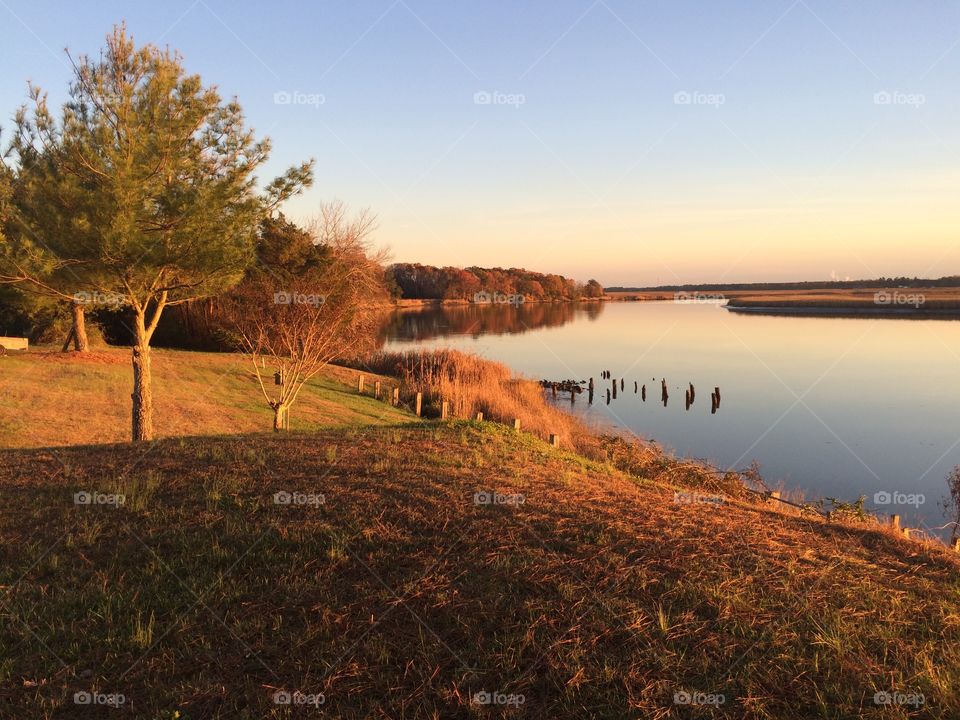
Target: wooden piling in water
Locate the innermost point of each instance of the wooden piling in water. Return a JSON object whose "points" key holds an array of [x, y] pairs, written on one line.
{"points": [[553, 388], [664, 395], [635, 387], [621, 383], [693, 394], [608, 396], [614, 389], [687, 399], [643, 393]]}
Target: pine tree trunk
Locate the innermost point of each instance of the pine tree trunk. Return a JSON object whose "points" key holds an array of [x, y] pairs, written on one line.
{"points": [[142, 391], [278, 412], [79, 331]]}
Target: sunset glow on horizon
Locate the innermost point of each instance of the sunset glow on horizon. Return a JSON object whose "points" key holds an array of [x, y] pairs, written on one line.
{"points": [[638, 144]]}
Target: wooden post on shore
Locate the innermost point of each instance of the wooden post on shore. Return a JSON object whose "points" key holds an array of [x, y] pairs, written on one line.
{"points": [[895, 522], [376, 389], [555, 440], [479, 417], [774, 496], [956, 544], [360, 384], [516, 424], [396, 396], [444, 410], [419, 403]]}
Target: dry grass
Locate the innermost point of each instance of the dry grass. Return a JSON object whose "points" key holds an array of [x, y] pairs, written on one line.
{"points": [[471, 384], [399, 597]]}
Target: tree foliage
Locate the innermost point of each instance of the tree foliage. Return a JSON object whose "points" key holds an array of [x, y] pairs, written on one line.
{"points": [[451, 283], [142, 192]]}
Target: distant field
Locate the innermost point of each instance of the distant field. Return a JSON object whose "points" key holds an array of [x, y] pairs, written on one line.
{"points": [[52, 398], [919, 299]]}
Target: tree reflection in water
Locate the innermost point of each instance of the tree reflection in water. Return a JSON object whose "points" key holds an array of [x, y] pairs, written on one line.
{"points": [[432, 321]]}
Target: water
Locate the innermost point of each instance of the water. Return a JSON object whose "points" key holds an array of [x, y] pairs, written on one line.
{"points": [[835, 407]]}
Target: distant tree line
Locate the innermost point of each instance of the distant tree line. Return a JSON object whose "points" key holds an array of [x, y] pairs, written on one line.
{"points": [[949, 281], [426, 282]]}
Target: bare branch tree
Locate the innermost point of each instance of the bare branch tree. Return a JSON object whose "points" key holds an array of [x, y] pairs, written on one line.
{"points": [[299, 324]]}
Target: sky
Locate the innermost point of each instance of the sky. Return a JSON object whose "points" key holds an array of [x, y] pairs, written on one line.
{"points": [[638, 143]]}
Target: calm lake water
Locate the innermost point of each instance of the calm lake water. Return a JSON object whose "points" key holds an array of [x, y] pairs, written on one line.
{"points": [[836, 407]]}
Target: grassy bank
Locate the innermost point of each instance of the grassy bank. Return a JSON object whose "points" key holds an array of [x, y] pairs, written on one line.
{"points": [[385, 586], [597, 595], [52, 398]]}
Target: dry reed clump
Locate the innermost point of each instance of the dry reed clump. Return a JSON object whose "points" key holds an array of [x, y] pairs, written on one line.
{"points": [[471, 384]]}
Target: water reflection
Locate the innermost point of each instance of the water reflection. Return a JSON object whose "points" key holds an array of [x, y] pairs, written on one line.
{"points": [[835, 407], [438, 321]]}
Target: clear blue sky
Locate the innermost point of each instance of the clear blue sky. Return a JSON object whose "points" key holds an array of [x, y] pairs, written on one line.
{"points": [[784, 164]]}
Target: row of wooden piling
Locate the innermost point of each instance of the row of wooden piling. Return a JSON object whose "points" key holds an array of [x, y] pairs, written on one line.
{"points": [[619, 385], [445, 414]]}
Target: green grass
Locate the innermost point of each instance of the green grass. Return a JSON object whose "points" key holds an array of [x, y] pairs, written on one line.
{"points": [[399, 597], [54, 399]]}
